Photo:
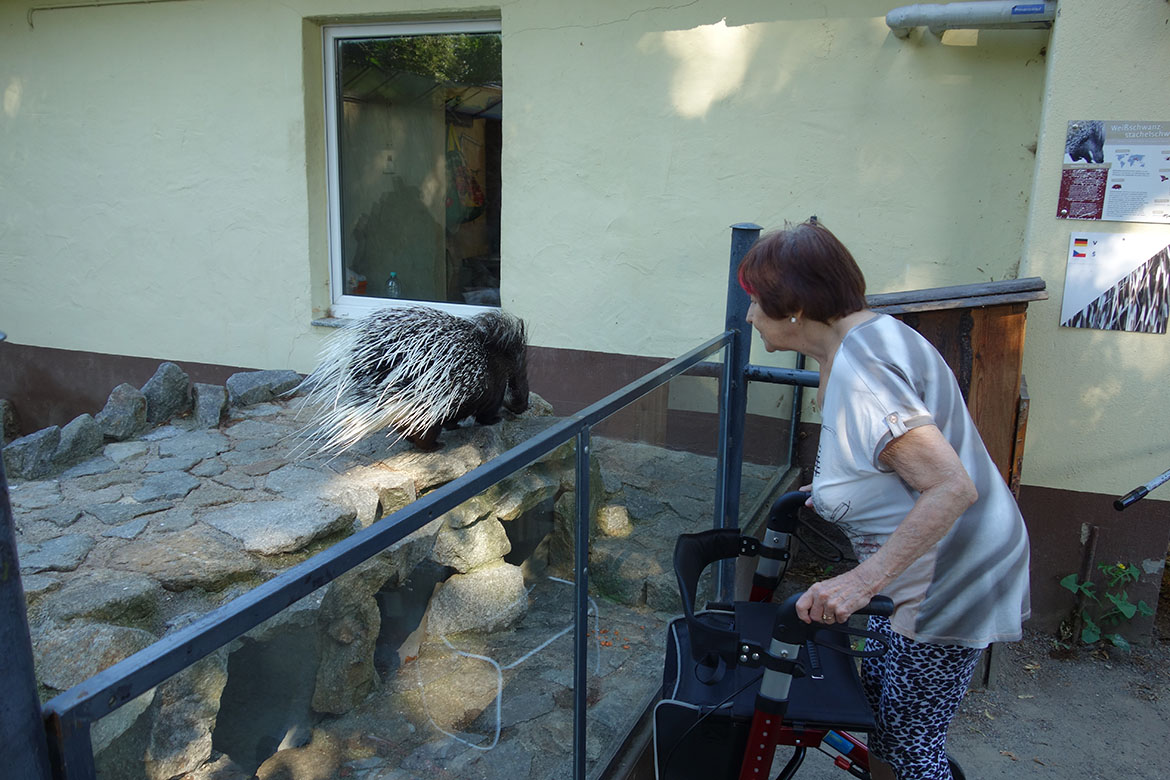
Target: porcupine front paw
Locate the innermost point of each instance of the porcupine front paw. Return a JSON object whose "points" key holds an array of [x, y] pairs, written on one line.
{"points": [[427, 441]]}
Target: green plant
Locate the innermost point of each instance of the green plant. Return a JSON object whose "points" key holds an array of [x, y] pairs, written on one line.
{"points": [[1115, 606]]}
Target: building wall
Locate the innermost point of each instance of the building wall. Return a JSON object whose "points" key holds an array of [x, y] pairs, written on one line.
{"points": [[163, 149], [1096, 428], [1098, 422], [650, 136]]}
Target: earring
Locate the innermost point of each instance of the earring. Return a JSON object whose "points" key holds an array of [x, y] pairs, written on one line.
{"points": [[793, 319]]}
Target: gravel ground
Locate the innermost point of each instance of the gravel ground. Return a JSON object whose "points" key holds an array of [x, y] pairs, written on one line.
{"points": [[1092, 715]]}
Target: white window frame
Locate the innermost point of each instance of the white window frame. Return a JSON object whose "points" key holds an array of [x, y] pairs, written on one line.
{"points": [[346, 306]]}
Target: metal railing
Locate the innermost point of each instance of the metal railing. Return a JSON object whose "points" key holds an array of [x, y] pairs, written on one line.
{"points": [[67, 718]]}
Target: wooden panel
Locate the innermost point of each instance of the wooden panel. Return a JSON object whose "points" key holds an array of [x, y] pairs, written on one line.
{"points": [[997, 345], [953, 303], [950, 333], [965, 295], [984, 348], [1021, 434]]}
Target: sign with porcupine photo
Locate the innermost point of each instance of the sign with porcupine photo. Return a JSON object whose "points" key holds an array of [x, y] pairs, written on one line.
{"points": [[1116, 171]]}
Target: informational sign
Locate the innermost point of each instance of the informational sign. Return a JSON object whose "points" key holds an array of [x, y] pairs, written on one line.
{"points": [[1116, 171], [1117, 282]]}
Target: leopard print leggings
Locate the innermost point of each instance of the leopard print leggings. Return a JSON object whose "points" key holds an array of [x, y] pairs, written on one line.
{"points": [[915, 690]]}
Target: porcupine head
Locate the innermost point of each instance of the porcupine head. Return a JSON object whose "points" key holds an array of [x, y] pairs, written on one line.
{"points": [[506, 342]]}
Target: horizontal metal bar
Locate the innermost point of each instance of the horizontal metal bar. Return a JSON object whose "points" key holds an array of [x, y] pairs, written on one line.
{"points": [[770, 374], [106, 691], [783, 376]]}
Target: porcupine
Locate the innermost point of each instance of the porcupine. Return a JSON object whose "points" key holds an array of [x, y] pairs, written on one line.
{"points": [[417, 370], [1085, 141]]}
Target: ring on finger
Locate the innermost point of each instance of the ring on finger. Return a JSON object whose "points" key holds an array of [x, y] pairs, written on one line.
{"points": [[826, 618]]}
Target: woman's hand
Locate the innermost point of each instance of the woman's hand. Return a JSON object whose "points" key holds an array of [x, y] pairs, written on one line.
{"points": [[834, 600], [807, 489]]}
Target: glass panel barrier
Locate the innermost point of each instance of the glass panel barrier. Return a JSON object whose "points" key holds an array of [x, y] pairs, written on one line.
{"points": [[451, 653], [656, 470]]}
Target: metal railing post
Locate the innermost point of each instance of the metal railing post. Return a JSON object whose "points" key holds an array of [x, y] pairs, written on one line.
{"points": [[71, 749], [733, 401], [23, 743], [581, 619]]}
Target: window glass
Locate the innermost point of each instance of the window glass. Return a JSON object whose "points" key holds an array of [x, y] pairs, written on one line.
{"points": [[414, 131]]}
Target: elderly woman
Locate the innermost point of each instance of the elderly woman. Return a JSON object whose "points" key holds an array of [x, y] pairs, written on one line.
{"points": [[902, 471]]}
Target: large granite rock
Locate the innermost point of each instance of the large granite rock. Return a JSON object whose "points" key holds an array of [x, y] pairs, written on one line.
{"points": [[69, 654], [467, 547], [31, 457], [274, 527], [489, 598], [124, 414], [106, 596], [81, 438], [349, 621], [180, 737], [61, 553], [167, 393], [254, 387], [195, 557], [210, 404]]}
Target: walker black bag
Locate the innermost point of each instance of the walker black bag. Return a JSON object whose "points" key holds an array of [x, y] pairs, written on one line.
{"points": [[701, 725]]}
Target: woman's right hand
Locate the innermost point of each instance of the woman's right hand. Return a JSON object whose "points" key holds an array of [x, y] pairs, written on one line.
{"points": [[807, 489]]}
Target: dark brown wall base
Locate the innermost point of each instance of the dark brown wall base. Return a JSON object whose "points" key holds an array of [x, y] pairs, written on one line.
{"points": [[1058, 522], [52, 386]]}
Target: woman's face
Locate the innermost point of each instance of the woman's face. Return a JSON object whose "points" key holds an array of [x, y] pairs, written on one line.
{"points": [[777, 334]]}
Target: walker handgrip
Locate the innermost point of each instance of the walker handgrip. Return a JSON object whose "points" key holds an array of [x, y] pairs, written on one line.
{"points": [[879, 605], [785, 511], [1131, 497], [789, 628]]}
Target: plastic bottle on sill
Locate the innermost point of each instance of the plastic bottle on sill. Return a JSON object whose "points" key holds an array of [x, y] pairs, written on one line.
{"points": [[393, 289]]}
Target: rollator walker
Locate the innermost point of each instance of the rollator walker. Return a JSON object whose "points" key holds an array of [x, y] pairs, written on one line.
{"points": [[741, 679]]}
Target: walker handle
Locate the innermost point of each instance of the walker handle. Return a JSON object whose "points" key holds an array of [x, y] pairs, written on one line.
{"points": [[1130, 498], [1138, 493]]}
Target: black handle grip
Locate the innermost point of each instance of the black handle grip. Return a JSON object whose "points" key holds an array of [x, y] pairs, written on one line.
{"points": [[785, 511], [880, 605], [789, 628], [1132, 497]]}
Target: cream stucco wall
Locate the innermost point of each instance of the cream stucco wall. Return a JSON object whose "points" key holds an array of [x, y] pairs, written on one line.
{"points": [[157, 201], [153, 182], [651, 133], [162, 173], [1098, 421]]}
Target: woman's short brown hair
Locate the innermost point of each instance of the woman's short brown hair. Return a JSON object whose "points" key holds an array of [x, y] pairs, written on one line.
{"points": [[803, 269]]}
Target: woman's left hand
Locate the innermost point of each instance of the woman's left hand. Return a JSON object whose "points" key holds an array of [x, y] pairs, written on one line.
{"points": [[834, 600]]}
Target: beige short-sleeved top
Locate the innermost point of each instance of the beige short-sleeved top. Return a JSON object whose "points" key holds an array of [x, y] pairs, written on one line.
{"points": [[971, 588]]}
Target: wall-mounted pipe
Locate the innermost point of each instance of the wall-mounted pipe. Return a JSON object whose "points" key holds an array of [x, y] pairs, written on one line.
{"points": [[986, 14], [92, 4]]}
